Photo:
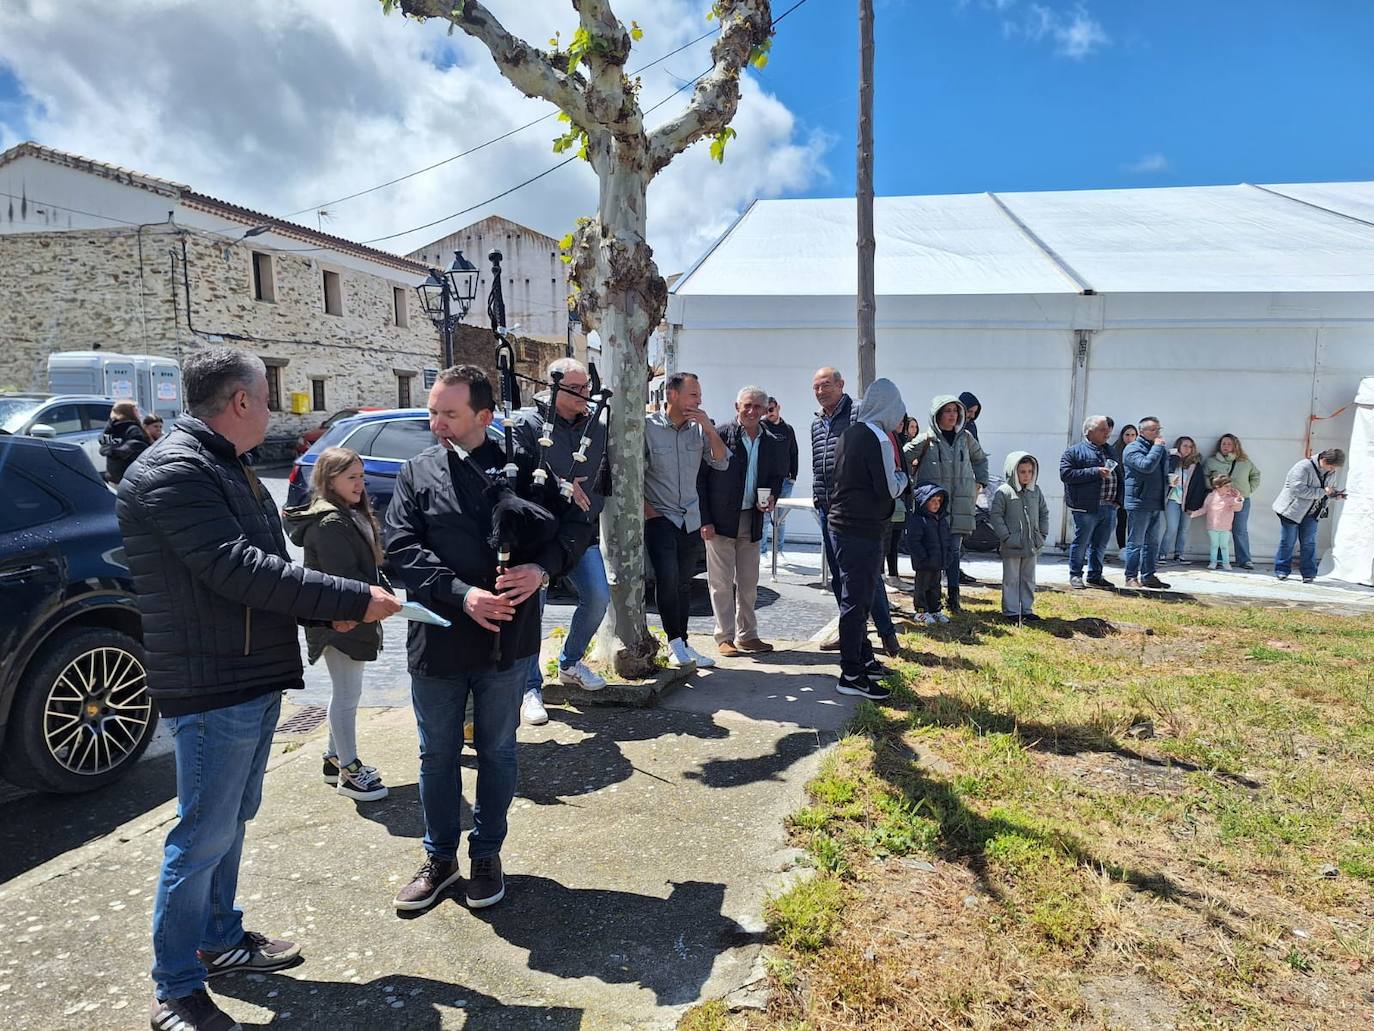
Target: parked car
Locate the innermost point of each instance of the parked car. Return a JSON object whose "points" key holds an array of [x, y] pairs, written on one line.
{"points": [[75, 712], [385, 439], [309, 437], [71, 418]]}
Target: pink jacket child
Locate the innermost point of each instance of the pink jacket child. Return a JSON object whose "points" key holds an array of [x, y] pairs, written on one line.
{"points": [[1220, 508]]}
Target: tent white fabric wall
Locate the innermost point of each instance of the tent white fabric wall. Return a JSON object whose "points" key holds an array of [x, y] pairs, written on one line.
{"points": [[1245, 310], [1352, 552]]}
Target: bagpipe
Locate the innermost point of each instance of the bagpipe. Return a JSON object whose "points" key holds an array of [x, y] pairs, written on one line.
{"points": [[527, 504]]}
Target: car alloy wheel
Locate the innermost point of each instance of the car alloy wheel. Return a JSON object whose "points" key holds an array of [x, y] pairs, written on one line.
{"points": [[97, 711]]}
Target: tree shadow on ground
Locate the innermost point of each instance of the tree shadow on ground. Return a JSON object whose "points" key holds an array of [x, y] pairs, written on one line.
{"points": [[343, 1006], [964, 833], [668, 946], [400, 811], [729, 773]]}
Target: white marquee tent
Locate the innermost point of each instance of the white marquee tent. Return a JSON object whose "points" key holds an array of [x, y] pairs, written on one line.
{"points": [[1243, 309], [1352, 552]]}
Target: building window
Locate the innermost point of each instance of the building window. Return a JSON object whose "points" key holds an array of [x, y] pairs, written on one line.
{"points": [[317, 395], [274, 388], [333, 294], [398, 305], [403, 384], [264, 285]]}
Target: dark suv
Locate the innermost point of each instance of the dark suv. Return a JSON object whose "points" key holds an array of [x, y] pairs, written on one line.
{"points": [[75, 712]]}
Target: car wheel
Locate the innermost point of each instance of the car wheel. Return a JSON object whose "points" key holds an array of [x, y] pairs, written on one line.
{"points": [[83, 714]]}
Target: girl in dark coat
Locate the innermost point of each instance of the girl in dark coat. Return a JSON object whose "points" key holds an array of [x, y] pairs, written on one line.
{"points": [[1126, 436], [123, 440], [340, 536]]}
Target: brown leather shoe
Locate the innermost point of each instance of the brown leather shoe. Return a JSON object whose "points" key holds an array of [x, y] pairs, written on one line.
{"points": [[756, 646], [831, 644], [428, 884], [727, 650]]}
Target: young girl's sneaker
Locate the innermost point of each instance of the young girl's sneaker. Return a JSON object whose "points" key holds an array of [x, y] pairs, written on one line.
{"points": [[360, 782], [939, 617], [330, 772]]}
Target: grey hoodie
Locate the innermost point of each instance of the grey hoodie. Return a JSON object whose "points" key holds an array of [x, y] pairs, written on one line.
{"points": [[1019, 515], [883, 409]]}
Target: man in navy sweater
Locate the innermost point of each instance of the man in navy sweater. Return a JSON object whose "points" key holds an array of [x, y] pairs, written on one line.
{"points": [[1147, 465]]}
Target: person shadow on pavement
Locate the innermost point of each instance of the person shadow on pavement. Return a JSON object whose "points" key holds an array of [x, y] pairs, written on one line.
{"points": [[393, 1003], [668, 946]]}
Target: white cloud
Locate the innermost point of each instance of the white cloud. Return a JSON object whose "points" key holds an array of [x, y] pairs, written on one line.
{"points": [[281, 107], [1076, 34], [1148, 164]]}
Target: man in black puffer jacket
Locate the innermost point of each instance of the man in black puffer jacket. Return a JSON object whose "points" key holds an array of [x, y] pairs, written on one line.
{"points": [[220, 602]]}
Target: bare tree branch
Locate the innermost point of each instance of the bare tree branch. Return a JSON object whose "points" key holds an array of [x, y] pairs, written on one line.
{"points": [[745, 24], [528, 69]]}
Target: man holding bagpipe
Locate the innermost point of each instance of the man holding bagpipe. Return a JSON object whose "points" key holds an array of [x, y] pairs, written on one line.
{"points": [[474, 530], [570, 427]]}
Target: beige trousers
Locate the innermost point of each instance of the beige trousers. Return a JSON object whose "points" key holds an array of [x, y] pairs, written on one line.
{"points": [[732, 571]]}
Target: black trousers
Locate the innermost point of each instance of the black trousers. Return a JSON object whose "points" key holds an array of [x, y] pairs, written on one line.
{"points": [[926, 596], [673, 554], [859, 570]]}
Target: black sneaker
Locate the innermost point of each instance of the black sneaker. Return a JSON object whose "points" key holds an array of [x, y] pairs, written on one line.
{"points": [[863, 687], [330, 770], [360, 782], [1154, 582], [253, 952], [194, 1012], [1309, 579], [486, 885], [876, 670], [966, 580], [1101, 581], [1031, 617], [428, 884]]}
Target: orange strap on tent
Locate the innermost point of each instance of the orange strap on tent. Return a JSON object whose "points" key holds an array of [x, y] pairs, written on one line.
{"points": [[1307, 444]]}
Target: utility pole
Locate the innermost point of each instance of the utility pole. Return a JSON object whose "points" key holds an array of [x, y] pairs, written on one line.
{"points": [[867, 301]]}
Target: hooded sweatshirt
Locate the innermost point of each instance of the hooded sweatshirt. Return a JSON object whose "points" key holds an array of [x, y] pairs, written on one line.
{"points": [[869, 472], [959, 467], [928, 536], [970, 400], [337, 541], [1017, 514]]}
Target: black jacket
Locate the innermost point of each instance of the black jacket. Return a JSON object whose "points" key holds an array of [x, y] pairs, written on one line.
{"points": [[121, 444], [334, 543], [929, 538], [825, 438], [860, 505], [220, 599], [721, 492], [968, 400], [784, 432], [436, 533], [596, 470]]}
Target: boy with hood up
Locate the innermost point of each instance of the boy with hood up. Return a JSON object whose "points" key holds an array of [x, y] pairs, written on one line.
{"points": [[1021, 520], [930, 542], [868, 477]]}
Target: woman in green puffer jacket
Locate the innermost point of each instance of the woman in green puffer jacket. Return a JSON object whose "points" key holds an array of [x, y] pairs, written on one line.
{"points": [[948, 455], [1230, 459]]}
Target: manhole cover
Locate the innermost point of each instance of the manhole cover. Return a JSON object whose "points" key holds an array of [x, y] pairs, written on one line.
{"points": [[303, 720]]}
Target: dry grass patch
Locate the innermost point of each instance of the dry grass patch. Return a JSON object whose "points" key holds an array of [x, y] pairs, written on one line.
{"points": [[1064, 825]]}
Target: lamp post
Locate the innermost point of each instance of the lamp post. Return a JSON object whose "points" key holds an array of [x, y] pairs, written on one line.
{"points": [[442, 292]]}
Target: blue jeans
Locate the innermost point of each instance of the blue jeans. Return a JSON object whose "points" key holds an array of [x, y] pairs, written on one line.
{"points": [[879, 609], [858, 569], [1240, 535], [786, 492], [1143, 528], [221, 756], [1304, 534], [1176, 521], [588, 579], [1092, 532], [439, 704]]}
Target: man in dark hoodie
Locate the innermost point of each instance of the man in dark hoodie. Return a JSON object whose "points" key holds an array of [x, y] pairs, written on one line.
{"points": [[868, 477], [972, 409], [123, 440]]}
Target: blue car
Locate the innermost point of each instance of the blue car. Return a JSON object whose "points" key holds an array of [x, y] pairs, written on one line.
{"points": [[384, 439]]}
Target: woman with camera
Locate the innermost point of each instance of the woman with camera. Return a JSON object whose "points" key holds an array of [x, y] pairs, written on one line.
{"points": [[1306, 495]]}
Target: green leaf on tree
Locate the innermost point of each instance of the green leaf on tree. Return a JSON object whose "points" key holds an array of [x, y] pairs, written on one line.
{"points": [[636, 33], [718, 144]]}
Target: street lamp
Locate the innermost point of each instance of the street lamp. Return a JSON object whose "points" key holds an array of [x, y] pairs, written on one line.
{"points": [[442, 292]]}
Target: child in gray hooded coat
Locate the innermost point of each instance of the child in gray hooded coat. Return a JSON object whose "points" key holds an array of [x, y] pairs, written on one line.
{"points": [[1021, 520]]}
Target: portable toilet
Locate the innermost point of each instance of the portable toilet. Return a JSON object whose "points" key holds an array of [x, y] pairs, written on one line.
{"points": [[102, 373], [158, 385]]}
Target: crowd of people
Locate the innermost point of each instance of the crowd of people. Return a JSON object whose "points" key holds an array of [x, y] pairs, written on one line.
{"points": [[222, 599]]}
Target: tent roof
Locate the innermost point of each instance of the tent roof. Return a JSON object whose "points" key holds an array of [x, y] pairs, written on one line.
{"points": [[1297, 238]]}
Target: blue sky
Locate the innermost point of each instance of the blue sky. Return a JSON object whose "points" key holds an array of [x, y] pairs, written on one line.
{"points": [[1193, 93]]}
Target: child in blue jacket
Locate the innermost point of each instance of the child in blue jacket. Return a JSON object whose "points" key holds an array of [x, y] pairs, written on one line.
{"points": [[931, 544]]}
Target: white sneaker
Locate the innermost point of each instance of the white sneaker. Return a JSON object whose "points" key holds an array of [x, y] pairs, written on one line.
{"points": [[702, 661], [679, 654], [579, 675], [925, 619], [939, 617], [533, 710]]}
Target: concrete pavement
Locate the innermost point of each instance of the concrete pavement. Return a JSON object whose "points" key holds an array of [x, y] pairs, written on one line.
{"points": [[642, 845]]}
